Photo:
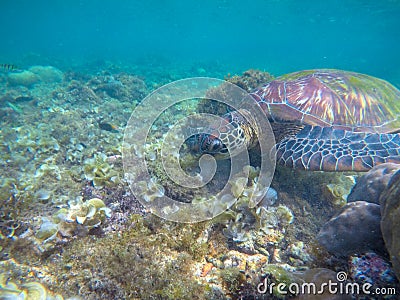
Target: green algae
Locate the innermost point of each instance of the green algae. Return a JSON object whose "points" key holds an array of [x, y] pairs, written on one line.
{"points": [[29, 290], [146, 258], [281, 275], [337, 191], [284, 215], [100, 172], [151, 258], [47, 230], [20, 281], [232, 279]]}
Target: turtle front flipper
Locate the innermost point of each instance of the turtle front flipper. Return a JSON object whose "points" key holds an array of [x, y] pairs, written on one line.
{"points": [[326, 149]]}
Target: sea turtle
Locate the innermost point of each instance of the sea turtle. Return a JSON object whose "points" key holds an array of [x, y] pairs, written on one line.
{"points": [[328, 120]]}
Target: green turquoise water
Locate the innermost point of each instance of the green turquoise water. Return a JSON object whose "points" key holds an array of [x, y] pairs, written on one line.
{"points": [[277, 36], [72, 73]]}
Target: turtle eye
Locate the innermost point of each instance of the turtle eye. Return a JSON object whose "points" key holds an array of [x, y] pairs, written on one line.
{"points": [[215, 146]]}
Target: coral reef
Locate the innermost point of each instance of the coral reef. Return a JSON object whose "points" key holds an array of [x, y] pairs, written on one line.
{"points": [[45, 233], [390, 225], [17, 288], [35, 75], [248, 81], [70, 225], [281, 274], [255, 229], [339, 191], [99, 171], [30, 290], [354, 229], [232, 279], [25, 78], [373, 269], [53, 151], [370, 186], [122, 86], [328, 188], [17, 96], [77, 219], [47, 74], [150, 258]]}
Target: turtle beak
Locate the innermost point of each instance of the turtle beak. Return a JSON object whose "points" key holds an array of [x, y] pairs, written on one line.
{"points": [[193, 143], [215, 146], [206, 143]]}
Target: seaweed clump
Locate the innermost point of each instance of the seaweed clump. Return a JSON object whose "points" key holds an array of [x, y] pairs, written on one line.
{"points": [[29, 290], [248, 81], [78, 219], [232, 279], [99, 171], [151, 259], [122, 86]]}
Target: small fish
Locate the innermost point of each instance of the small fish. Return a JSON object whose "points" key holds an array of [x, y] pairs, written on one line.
{"points": [[23, 99], [108, 127], [8, 67]]}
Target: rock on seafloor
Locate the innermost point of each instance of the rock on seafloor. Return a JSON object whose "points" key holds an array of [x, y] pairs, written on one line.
{"points": [[354, 229], [370, 186], [390, 224], [25, 78], [35, 75]]}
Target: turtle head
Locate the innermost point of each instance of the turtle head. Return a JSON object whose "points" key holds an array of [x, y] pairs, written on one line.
{"points": [[207, 143], [233, 134]]}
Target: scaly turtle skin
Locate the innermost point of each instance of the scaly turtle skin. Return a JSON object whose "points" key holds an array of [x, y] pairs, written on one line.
{"points": [[329, 120]]}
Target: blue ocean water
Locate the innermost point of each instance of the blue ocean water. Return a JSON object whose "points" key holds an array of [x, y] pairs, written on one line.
{"points": [[74, 73], [276, 36]]}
